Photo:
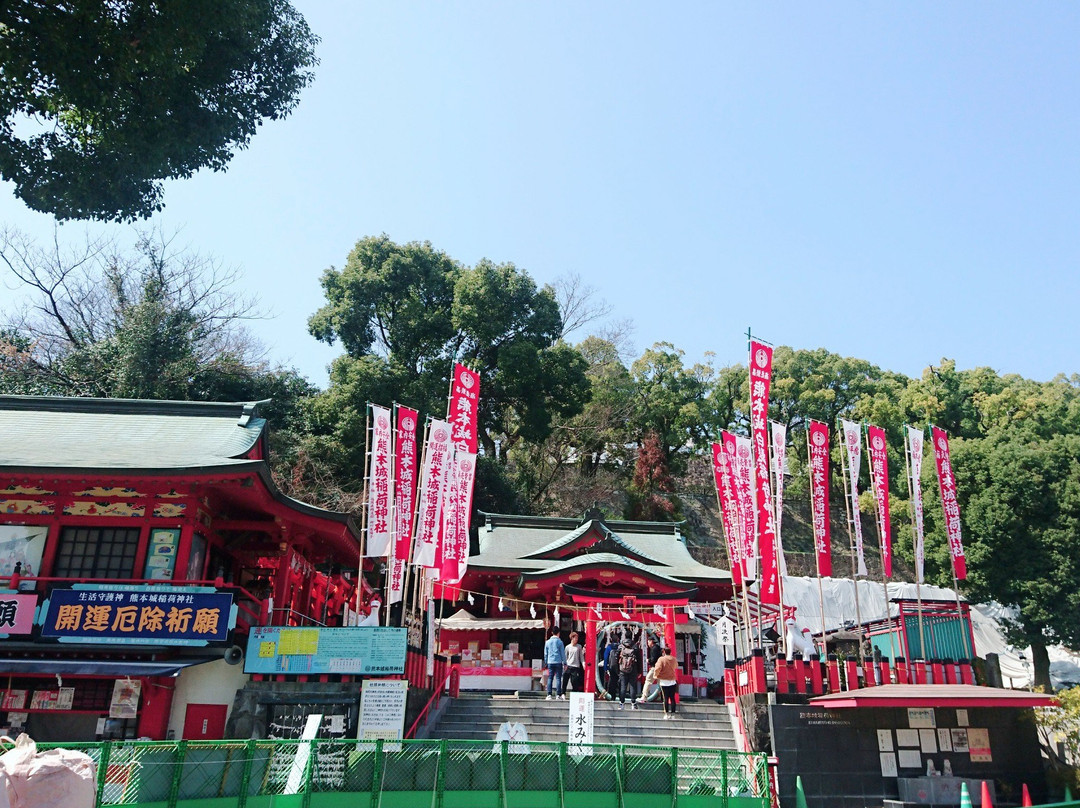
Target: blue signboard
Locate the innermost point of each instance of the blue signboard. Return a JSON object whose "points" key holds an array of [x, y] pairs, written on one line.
{"points": [[142, 615], [355, 650]]}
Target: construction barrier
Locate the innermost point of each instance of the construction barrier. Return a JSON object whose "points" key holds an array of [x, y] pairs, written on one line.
{"points": [[405, 774]]}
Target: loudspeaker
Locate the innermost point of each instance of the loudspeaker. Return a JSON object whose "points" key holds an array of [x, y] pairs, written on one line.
{"points": [[235, 655]]}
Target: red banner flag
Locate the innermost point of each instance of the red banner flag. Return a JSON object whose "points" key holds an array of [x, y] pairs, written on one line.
{"points": [[457, 508], [879, 479], [404, 496], [760, 378], [947, 486], [461, 414], [379, 495], [729, 506], [818, 442], [741, 464]]}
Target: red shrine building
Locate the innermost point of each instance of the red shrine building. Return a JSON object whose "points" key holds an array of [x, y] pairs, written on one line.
{"points": [[596, 573], [140, 542]]}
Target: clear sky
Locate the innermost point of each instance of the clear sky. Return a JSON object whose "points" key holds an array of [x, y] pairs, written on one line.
{"points": [[898, 182]]}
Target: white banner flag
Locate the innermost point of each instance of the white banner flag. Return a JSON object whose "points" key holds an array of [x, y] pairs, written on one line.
{"points": [[778, 438], [380, 486], [433, 476], [915, 458], [581, 724], [853, 444]]}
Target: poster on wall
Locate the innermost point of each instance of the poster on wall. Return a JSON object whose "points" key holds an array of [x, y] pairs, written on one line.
{"points": [[371, 650], [960, 739], [888, 764], [161, 554], [125, 698], [21, 544], [13, 700], [382, 709], [921, 718], [60, 699], [979, 745]]}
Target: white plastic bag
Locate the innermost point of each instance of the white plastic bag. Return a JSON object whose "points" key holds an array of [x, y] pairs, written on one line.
{"points": [[58, 777]]}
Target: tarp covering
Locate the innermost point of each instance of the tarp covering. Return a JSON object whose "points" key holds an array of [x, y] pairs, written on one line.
{"points": [[461, 620]]}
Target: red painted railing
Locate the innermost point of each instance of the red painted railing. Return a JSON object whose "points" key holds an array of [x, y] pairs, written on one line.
{"points": [[813, 677], [444, 679]]}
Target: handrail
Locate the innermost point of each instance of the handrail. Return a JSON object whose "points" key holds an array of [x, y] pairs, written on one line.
{"points": [[432, 700]]}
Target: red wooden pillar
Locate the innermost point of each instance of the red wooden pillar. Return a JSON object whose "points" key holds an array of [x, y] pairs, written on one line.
{"points": [[590, 650], [282, 588], [886, 674], [938, 671], [758, 683], [834, 674], [901, 671], [918, 669], [669, 628], [800, 675], [967, 676], [183, 551], [852, 668], [817, 685], [783, 675], [868, 673], [951, 676]]}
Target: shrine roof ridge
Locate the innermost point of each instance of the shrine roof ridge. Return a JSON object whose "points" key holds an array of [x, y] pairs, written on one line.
{"points": [[573, 522]]}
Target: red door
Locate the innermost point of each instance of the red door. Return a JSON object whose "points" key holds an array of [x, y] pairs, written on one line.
{"points": [[204, 722]]}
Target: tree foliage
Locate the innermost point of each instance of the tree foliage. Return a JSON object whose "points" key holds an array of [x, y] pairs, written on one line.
{"points": [[100, 102], [405, 313]]}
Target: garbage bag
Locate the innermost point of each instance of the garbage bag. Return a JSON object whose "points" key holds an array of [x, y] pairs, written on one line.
{"points": [[57, 777]]}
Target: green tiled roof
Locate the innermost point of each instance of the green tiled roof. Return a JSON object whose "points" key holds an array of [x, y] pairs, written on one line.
{"points": [[47, 433], [512, 543], [604, 559], [570, 538]]}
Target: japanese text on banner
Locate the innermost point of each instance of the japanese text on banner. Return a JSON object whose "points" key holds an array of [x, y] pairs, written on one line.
{"points": [[760, 378], [949, 505], [818, 440]]}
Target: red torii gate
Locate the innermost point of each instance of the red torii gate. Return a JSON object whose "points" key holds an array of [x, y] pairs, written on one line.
{"points": [[594, 607]]}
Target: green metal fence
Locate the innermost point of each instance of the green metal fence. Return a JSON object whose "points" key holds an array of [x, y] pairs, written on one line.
{"points": [[405, 774]]}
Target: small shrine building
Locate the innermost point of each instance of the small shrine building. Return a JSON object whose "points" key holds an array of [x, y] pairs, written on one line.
{"points": [[591, 574]]}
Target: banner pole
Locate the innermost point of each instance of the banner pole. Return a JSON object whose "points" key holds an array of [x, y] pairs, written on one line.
{"points": [[778, 551], [817, 558], [388, 576], [909, 468], [415, 514], [724, 525], [849, 507]]}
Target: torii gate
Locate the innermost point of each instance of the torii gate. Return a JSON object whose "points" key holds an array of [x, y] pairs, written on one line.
{"points": [[592, 607]]}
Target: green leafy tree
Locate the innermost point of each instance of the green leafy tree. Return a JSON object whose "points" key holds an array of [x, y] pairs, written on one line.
{"points": [[405, 313], [100, 102], [1020, 503], [670, 402]]}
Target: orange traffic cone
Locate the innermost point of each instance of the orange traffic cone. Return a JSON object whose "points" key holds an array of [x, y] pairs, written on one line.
{"points": [[1025, 796], [986, 802]]}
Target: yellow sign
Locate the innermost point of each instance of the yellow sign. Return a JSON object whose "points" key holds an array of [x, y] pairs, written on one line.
{"points": [[298, 642], [267, 650]]}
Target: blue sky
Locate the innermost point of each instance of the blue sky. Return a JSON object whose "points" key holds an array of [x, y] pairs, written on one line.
{"points": [[824, 173]]}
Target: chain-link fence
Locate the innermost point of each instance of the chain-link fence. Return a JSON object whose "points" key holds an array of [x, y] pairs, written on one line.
{"points": [[405, 774]]}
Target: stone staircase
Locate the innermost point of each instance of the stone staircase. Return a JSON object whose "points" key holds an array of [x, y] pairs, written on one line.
{"points": [[700, 724]]}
